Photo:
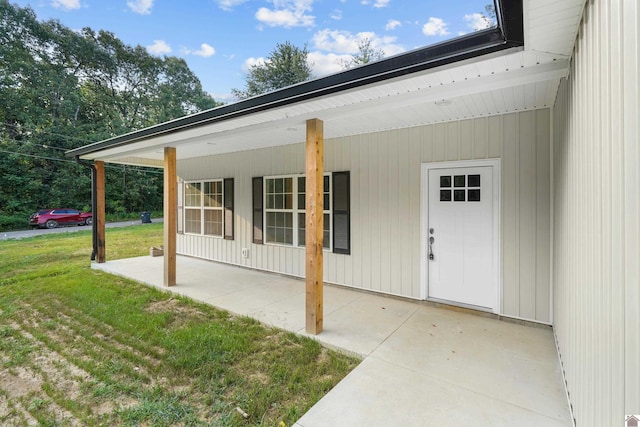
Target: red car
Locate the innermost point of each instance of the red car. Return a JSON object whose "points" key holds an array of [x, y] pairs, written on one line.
{"points": [[52, 218]]}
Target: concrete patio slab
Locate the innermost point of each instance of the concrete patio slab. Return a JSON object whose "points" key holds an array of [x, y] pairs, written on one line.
{"points": [[422, 365]]}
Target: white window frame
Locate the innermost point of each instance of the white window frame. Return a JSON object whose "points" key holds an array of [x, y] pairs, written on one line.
{"points": [[202, 208], [327, 210]]}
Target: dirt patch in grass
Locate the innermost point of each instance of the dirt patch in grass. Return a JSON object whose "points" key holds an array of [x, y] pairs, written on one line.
{"points": [[173, 305]]}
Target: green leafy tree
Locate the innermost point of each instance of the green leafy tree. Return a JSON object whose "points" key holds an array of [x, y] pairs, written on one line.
{"points": [[286, 65], [366, 53], [61, 89]]}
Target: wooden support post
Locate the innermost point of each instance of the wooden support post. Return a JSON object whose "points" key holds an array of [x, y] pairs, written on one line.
{"points": [[170, 215], [314, 225], [98, 215]]}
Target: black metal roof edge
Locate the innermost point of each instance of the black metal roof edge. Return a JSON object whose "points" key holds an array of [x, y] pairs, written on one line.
{"points": [[508, 34]]}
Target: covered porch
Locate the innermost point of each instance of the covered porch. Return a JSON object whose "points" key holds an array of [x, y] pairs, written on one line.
{"points": [[421, 363]]}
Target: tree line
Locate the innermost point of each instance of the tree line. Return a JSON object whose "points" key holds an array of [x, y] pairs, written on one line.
{"points": [[61, 89]]}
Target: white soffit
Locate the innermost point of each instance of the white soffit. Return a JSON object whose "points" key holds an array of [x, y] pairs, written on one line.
{"points": [[509, 81], [552, 25]]}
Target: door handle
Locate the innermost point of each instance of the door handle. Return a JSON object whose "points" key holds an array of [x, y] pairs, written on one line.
{"points": [[431, 240]]}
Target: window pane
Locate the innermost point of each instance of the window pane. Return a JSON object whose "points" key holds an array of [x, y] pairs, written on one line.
{"points": [[474, 181], [213, 222], [192, 194], [445, 195], [325, 184], [301, 192], [459, 180], [301, 229], [192, 221], [278, 228], [473, 195], [458, 195], [325, 202], [445, 181], [326, 243], [213, 194]]}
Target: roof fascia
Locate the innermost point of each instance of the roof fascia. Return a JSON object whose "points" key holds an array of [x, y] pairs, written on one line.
{"points": [[508, 34]]}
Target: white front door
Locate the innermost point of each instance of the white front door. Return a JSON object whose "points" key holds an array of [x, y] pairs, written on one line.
{"points": [[461, 236]]}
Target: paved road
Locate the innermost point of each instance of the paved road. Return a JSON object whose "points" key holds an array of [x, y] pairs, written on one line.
{"points": [[37, 232]]}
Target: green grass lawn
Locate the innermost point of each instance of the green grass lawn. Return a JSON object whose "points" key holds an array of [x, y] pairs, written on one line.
{"points": [[81, 347]]}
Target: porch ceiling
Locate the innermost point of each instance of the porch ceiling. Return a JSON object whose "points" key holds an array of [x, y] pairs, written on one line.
{"points": [[501, 82]]}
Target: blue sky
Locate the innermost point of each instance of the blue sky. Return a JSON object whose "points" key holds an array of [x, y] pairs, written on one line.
{"points": [[220, 39]]}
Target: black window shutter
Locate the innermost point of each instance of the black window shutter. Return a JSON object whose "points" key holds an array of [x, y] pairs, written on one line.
{"points": [[258, 207], [341, 213], [228, 208]]}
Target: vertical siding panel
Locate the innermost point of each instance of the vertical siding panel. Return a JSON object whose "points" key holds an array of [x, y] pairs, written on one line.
{"points": [[543, 216], [366, 221], [374, 214], [496, 136], [480, 134], [510, 224], [526, 161], [382, 207], [423, 138], [409, 182], [452, 139], [595, 267], [632, 206], [466, 140], [428, 144], [398, 214], [439, 142], [356, 260]]}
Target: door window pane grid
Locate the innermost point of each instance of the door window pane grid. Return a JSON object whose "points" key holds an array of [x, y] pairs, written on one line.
{"points": [[463, 185]]}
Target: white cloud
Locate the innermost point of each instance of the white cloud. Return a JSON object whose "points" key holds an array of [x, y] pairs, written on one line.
{"points": [[392, 25], [205, 51], [229, 4], [249, 62], [66, 4], [435, 27], [287, 14], [142, 7], [377, 3], [323, 64], [159, 47], [477, 21], [336, 14], [344, 42]]}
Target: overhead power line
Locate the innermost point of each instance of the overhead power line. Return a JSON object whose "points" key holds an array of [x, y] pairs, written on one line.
{"points": [[48, 133], [121, 167]]}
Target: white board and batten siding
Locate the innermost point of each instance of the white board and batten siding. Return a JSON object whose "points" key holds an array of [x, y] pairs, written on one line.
{"points": [[385, 170], [596, 268]]}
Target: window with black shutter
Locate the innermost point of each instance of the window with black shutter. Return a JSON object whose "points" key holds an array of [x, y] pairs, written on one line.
{"points": [[228, 208], [341, 213], [258, 207]]}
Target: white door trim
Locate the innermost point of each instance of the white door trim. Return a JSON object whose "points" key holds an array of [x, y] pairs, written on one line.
{"points": [[424, 222]]}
